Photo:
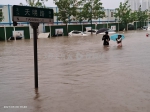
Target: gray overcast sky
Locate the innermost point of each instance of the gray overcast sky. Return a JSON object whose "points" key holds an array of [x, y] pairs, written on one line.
{"points": [[108, 4]]}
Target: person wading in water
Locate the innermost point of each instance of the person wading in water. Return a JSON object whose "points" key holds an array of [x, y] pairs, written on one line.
{"points": [[106, 39], [119, 41]]}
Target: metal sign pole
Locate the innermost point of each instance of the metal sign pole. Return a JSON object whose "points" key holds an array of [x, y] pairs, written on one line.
{"points": [[15, 35], [23, 14], [5, 33], [49, 30], [82, 27], [35, 27], [118, 26]]}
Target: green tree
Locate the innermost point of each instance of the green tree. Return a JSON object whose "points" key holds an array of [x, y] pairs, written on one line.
{"points": [[36, 3], [133, 16], [1, 15], [92, 9], [125, 14], [67, 11], [142, 16], [80, 16]]}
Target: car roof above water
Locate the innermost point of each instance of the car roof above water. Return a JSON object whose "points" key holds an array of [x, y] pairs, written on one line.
{"points": [[145, 26], [76, 31]]}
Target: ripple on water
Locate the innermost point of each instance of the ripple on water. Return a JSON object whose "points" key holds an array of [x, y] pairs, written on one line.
{"points": [[109, 79]]}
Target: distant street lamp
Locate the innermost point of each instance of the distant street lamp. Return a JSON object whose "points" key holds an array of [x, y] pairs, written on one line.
{"points": [[136, 23], [118, 23], [148, 14], [67, 20], [91, 20]]}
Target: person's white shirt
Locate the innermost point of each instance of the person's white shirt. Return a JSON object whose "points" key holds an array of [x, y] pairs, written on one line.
{"points": [[119, 39]]}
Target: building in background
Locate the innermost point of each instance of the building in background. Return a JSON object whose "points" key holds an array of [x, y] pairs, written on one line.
{"points": [[1, 10], [134, 4], [6, 9], [7, 13], [145, 5]]}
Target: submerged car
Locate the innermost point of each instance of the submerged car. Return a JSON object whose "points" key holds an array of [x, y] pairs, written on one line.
{"points": [[110, 31], [93, 31], [15, 38], [130, 27], [77, 33], [145, 27]]}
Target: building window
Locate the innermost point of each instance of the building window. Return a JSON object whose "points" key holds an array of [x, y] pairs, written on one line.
{"points": [[0, 13], [112, 14]]}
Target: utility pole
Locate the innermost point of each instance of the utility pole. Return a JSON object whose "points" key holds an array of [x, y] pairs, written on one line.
{"points": [[148, 14]]}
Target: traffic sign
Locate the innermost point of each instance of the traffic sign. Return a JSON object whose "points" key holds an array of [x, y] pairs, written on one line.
{"points": [[32, 14]]}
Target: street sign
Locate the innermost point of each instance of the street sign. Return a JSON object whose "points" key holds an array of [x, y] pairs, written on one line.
{"points": [[32, 14]]}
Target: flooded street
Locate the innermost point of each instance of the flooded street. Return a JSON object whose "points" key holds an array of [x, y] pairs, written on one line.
{"points": [[76, 74]]}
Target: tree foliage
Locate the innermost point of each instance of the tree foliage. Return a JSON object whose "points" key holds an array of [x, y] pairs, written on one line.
{"points": [[67, 10], [91, 9], [36, 3], [125, 14], [1, 15], [141, 16], [80, 16]]}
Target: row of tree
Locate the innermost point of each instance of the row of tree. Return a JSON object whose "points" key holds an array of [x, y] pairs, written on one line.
{"points": [[86, 10], [92, 9], [36, 3], [125, 15]]}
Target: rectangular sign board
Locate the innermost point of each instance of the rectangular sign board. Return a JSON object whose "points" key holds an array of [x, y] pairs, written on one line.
{"points": [[32, 14]]}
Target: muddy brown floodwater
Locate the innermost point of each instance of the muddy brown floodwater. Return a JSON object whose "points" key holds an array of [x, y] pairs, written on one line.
{"points": [[76, 74]]}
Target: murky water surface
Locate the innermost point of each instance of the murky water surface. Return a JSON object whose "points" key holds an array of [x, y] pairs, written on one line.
{"points": [[76, 74]]}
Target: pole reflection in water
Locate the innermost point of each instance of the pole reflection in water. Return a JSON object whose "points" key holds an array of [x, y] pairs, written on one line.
{"points": [[37, 95], [37, 101]]}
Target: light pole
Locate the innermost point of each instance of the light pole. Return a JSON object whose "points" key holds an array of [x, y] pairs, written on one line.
{"points": [[148, 14], [91, 20], [67, 20], [140, 14], [91, 3], [118, 23], [136, 24]]}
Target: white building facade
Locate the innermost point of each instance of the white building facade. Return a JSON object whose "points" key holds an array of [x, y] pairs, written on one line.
{"points": [[134, 4], [145, 5]]}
